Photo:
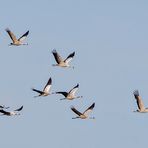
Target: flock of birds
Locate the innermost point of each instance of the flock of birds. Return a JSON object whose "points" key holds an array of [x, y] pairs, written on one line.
{"points": [[70, 95]]}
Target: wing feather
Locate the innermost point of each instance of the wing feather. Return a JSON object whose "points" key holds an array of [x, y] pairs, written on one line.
{"points": [[57, 57], [63, 93], [89, 109], [12, 36], [23, 37], [19, 109], [139, 101], [37, 91], [76, 111], [74, 89], [48, 86], [69, 58]]}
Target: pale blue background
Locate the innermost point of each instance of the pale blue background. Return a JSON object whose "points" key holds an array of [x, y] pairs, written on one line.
{"points": [[110, 38]]}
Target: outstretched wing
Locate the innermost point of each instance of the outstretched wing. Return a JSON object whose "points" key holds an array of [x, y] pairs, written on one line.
{"points": [[76, 111], [63, 93], [89, 109], [23, 37], [37, 91], [12, 36], [4, 112], [48, 86], [57, 57], [19, 109], [138, 100], [73, 90], [69, 58]]}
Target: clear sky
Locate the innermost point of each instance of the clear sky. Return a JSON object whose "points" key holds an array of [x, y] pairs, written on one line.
{"points": [[110, 38]]}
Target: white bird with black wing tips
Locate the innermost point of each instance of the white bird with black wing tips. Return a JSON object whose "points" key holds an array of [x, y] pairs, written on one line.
{"points": [[46, 90], [60, 61], [71, 94], [16, 41], [11, 113], [140, 103], [85, 114]]}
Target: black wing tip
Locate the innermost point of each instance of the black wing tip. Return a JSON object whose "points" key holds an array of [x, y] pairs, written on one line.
{"points": [[136, 92], [19, 109], [54, 51], [93, 105], [50, 80], [72, 107], [72, 54], [32, 88], [7, 29], [27, 32]]}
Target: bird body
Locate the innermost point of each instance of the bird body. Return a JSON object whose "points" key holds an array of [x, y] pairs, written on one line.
{"points": [[60, 61], [16, 41], [140, 103], [85, 114]]}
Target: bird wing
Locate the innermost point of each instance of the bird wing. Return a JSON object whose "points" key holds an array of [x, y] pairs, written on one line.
{"points": [[63, 93], [1, 106], [69, 58], [89, 109], [138, 100], [76, 111], [57, 57], [19, 109], [4, 112], [37, 90], [12, 36], [73, 90], [48, 86], [23, 37]]}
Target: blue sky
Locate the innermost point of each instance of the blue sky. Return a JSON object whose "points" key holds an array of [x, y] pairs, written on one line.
{"points": [[110, 41]]}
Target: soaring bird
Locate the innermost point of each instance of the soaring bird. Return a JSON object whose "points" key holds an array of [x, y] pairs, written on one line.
{"points": [[85, 114], [140, 104], [11, 113], [46, 90], [60, 61], [16, 41], [71, 94]]}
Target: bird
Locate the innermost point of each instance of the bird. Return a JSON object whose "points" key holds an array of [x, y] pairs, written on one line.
{"points": [[46, 89], [71, 94], [85, 114], [140, 103], [11, 113], [16, 41], [60, 61]]}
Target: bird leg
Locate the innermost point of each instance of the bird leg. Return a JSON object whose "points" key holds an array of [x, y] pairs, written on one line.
{"points": [[75, 117], [91, 117], [63, 99]]}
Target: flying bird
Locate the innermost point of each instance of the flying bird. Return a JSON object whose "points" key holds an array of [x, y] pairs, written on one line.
{"points": [[11, 113], [140, 104], [46, 90], [85, 114], [16, 41], [71, 94], [60, 61]]}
